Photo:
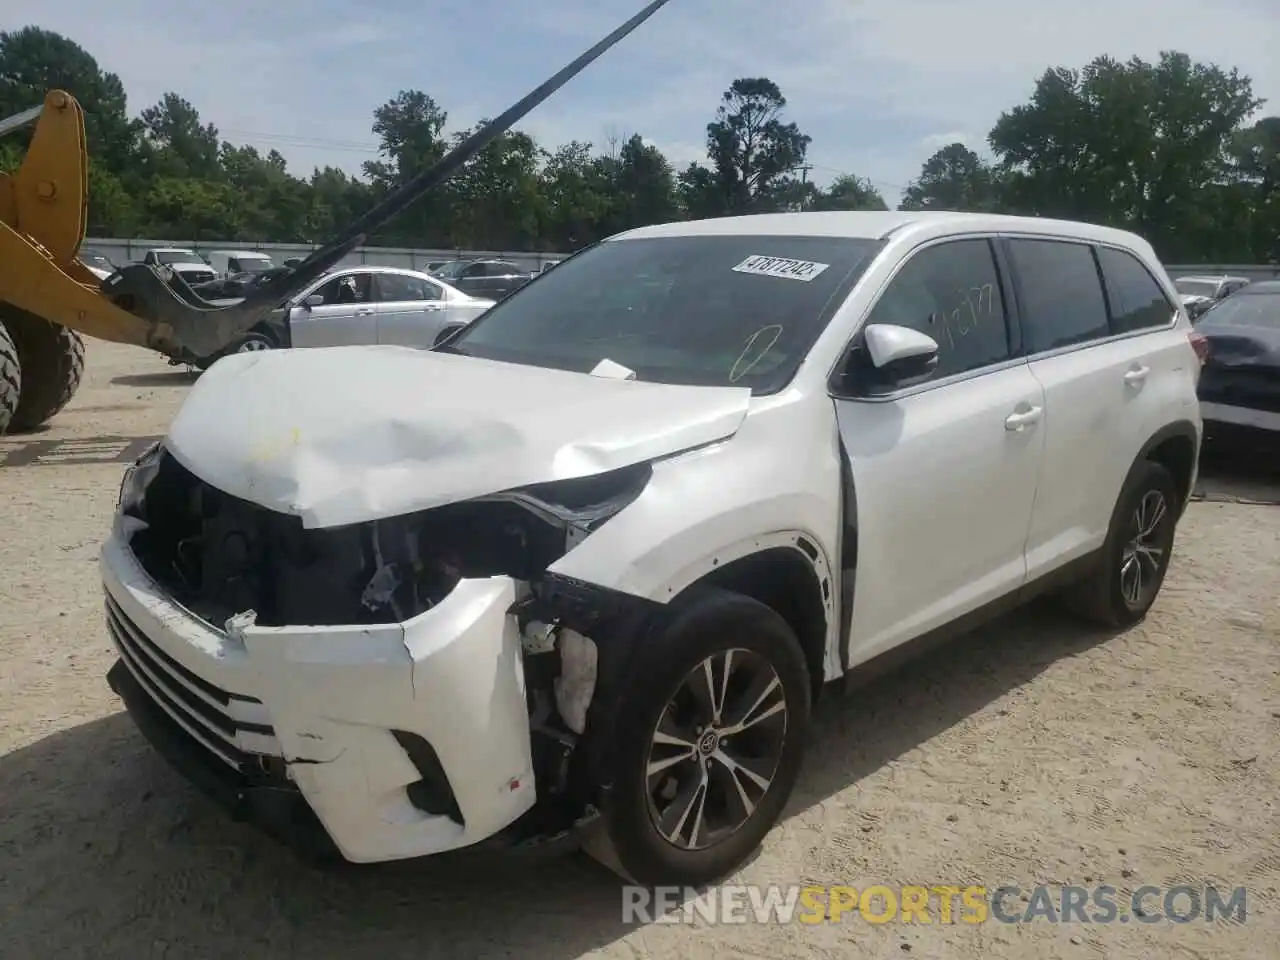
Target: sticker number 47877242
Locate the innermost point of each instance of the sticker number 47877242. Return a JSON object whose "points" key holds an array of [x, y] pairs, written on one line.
{"points": [[781, 267]]}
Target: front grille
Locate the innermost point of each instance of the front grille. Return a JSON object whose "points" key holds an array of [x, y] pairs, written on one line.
{"points": [[213, 717]]}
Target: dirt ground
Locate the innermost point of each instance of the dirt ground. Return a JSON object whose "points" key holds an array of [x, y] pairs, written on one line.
{"points": [[1032, 752]]}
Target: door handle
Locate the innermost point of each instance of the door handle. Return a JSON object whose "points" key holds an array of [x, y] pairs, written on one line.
{"points": [[364, 313], [1137, 375], [1017, 422]]}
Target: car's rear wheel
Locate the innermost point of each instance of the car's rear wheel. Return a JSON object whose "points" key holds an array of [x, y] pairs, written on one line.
{"points": [[710, 740], [1135, 556]]}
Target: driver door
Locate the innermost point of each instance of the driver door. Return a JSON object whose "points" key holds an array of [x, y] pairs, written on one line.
{"points": [[345, 316], [945, 471]]}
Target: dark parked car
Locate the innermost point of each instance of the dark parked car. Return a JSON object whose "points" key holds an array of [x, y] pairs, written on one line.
{"points": [[1240, 382], [490, 279]]}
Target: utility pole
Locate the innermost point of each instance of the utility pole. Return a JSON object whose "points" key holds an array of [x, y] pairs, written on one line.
{"points": [[804, 182]]}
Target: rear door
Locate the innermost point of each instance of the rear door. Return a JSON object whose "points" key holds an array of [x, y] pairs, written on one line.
{"points": [[411, 309], [345, 315], [1100, 335], [945, 471]]}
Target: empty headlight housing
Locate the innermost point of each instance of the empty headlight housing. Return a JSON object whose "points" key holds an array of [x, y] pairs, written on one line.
{"points": [[133, 487]]}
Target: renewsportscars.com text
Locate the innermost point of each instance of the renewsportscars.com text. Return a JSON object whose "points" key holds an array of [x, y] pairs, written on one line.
{"points": [[941, 903]]}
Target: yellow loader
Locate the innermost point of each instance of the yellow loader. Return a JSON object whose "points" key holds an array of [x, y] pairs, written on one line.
{"points": [[48, 298]]}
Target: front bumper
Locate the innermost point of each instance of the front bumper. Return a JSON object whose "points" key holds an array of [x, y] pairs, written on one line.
{"points": [[359, 724]]}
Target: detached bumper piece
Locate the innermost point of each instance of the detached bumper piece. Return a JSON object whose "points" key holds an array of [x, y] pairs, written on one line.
{"points": [[263, 797]]}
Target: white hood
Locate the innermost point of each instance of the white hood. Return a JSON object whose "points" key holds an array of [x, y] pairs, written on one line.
{"points": [[348, 434]]}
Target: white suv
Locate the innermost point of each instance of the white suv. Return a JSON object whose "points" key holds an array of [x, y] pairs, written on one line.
{"points": [[582, 570]]}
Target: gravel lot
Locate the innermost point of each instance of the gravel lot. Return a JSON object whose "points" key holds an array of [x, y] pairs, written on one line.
{"points": [[1032, 752]]}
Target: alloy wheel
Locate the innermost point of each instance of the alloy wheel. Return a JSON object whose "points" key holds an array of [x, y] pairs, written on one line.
{"points": [[1144, 553], [715, 749], [252, 346]]}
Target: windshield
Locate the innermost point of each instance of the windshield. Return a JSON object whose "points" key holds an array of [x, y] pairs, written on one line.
{"points": [[451, 269], [1250, 310], [702, 310], [177, 256], [1196, 288]]}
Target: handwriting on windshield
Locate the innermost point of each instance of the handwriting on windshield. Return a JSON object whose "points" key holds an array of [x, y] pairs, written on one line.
{"points": [[976, 305], [751, 354]]}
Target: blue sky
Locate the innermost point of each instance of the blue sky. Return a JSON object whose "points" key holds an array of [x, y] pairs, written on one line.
{"points": [[878, 84]]}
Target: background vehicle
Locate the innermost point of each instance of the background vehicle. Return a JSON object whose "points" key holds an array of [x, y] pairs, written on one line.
{"points": [[547, 265], [1200, 293], [493, 279], [48, 297], [187, 264], [1240, 385], [601, 558], [434, 266], [97, 262], [365, 305], [231, 262]]}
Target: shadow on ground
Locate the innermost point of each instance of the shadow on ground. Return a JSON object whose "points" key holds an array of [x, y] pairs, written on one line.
{"points": [[105, 852], [1241, 465], [170, 378]]}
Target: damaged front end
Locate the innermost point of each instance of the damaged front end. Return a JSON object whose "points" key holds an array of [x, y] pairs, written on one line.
{"points": [[230, 562]]}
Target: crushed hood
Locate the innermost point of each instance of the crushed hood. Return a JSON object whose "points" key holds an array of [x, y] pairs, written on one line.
{"points": [[348, 434]]}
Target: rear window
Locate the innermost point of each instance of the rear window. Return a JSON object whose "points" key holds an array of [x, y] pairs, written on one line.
{"points": [[1246, 310], [1137, 302], [712, 311]]}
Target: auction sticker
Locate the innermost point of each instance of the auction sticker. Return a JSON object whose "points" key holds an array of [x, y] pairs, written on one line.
{"points": [[781, 267]]}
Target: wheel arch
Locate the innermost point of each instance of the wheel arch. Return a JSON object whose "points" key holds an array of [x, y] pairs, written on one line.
{"points": [[788, 573], [1176, 447]]}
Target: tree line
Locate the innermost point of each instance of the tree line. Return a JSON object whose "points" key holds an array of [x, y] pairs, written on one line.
{"points": [[1169, 149]]}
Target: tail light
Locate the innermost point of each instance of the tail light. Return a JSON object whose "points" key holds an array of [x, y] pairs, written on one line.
{"points": [[1200, 344]]}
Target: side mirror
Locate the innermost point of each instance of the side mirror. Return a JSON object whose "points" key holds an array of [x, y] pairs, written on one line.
{"points": [[315, 300], [890, 357]]}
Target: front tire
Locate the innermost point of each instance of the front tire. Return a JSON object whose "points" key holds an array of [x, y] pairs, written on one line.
{"points": [[52, 362], [710, 739], [1135, 556]]}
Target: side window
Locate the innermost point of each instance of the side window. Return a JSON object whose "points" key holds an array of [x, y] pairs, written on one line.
{"points": [[1061, 295], [398, 286], [1137, 302], [475, 270], [352, 288], [951, 292], [233, 265]]}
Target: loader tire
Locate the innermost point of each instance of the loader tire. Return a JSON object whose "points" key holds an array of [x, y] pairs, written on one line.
{"points": [[52, 362], [10, 379]]}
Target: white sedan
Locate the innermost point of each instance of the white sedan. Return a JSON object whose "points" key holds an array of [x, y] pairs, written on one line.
{"points": [[377, 305]]}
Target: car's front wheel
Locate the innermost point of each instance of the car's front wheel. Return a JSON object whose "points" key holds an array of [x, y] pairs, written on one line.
{"points": [[710, 739]]}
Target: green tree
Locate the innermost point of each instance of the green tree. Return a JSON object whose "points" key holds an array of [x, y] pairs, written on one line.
{"points": [[848, 192], [176, 143], [410, 129], [496, 198], [639, 186], [1133, 144], [954, 178], [34, 61], [753, 153], [1254, 155]]}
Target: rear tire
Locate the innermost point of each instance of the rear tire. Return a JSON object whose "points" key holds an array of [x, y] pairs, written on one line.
{"points": [[1136, 553], [10, 379], [715, 779], [52, 362]]}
